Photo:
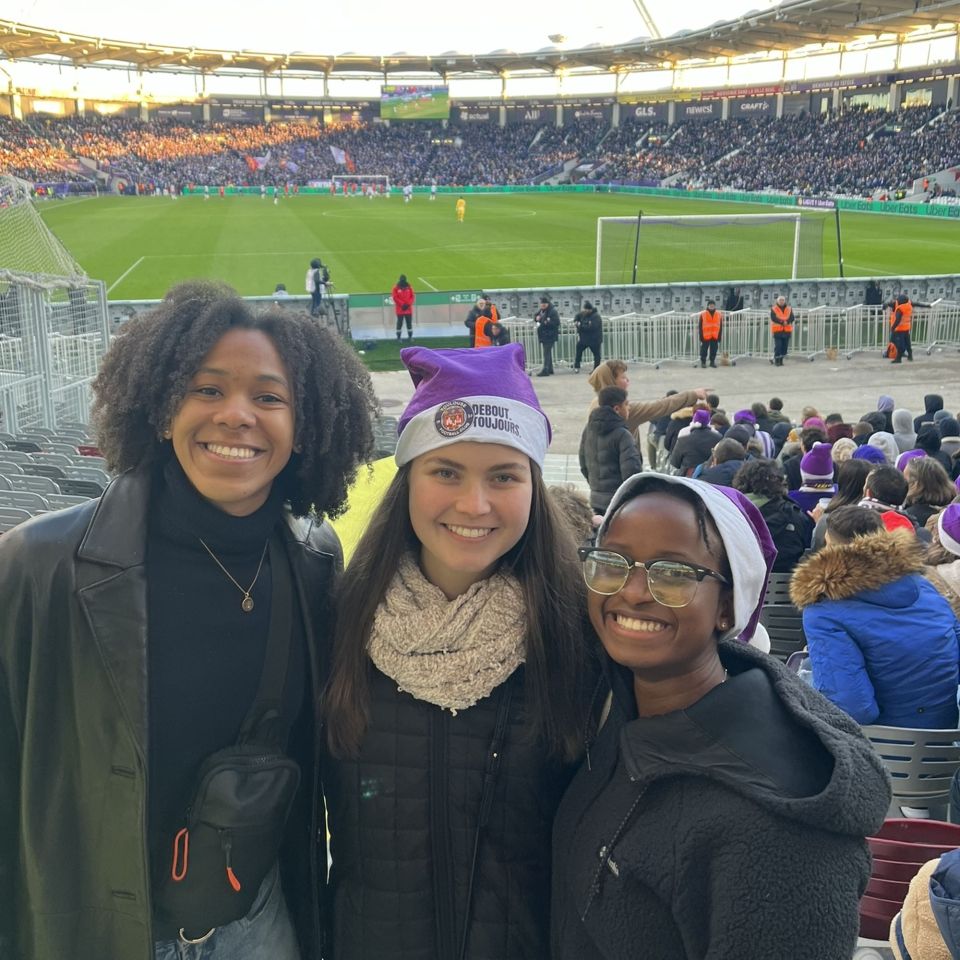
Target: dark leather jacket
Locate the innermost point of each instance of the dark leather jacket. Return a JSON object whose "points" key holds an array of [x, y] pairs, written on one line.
{"points": [[74, 873]]}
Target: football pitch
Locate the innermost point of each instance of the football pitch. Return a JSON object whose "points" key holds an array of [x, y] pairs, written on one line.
{"points": [[140, 246]]}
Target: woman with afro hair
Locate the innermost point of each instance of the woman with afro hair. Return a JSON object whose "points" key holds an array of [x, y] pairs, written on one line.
{"points": [[136, 633]]}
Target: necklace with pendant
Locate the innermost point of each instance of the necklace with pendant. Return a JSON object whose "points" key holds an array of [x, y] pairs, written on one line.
{"points": [[246, 605]]}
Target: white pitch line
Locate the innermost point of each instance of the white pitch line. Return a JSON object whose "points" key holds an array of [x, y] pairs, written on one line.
{"points": [[427, 283], [126, 273]]}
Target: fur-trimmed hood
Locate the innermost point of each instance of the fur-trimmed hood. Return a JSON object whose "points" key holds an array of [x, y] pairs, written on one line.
{"points": [[844, 570]]}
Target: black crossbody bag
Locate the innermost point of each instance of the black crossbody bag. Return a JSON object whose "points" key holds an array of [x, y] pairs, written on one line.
{"points": [[231, 834]]}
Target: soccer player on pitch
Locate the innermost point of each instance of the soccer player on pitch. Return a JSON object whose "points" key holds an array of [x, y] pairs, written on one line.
{"points": [[461, 209]]}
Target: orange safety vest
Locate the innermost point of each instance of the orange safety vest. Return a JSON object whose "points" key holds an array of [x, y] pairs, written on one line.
{"points": [[905, 321], [781, 320], [480, 339], [710, 324]]}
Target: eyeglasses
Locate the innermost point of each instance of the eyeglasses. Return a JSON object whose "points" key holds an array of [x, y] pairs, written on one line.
{"points": [[670, 582]]}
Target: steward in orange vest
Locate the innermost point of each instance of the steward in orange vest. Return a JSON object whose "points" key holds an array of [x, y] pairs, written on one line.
{"points": [[480, 336], [781, 326], [710, 327], [901, 323]]}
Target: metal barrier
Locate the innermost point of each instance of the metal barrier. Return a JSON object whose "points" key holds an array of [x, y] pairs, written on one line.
{"points": [[819, 331], [52, 337]]}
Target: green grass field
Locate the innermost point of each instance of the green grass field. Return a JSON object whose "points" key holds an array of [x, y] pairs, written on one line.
{"points": [[141, 245]]}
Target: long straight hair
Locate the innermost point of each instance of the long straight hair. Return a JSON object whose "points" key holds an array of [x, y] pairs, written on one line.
{"points": [[545, 563]]}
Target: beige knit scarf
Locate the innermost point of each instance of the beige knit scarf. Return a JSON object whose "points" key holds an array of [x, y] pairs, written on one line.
{"points": [[448, 652]]}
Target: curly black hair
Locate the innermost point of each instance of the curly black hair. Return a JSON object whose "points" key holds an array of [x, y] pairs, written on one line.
{"points": [[145, 374]]}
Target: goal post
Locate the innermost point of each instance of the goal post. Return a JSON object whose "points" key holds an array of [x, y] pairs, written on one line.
{"points": [[380, 182], [745, 246]]}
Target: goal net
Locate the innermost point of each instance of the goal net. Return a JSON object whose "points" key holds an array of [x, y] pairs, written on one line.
{"points": [[379, 181], [27, 245], [756, 246]]}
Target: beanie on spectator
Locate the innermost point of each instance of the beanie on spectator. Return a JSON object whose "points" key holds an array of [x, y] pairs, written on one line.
{"points": [[843, 449], [815, 422], [869, 453], [816, 466], [948, 527], [886, 444], [746, 541], [928, 438], [905, 458], [741, 433], [701, 418], [484, 396], [745, 416], [885, 404], [837, 430], [940, 415]]}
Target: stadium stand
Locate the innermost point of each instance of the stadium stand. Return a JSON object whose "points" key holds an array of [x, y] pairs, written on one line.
{"points": [[858, 152]]}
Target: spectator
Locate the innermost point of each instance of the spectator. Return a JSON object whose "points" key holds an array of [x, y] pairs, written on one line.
{"points": [[775, 411], [869, 453], [851, 476], [950, 442], [548, 332], [843, 449], [763, 419], [932, 402], [928, 440], [885, 405], [943, 554], [884, 491], [903, 432], [727, 458], [816, 473], [499, 335], [317, 276], [608, 450], [476, 311], [929, 489], [885, 443], [589, 334], [403, 299], [701, 740], [790, 527], [809, 437], [884, 645], [710, 330], [694, 447]]}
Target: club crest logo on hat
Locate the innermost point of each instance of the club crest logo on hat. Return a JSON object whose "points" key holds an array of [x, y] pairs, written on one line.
{"points": [[453, 418]]}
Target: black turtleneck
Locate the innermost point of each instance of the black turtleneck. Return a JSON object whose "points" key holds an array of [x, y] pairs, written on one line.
{"points": [[205, 653]]}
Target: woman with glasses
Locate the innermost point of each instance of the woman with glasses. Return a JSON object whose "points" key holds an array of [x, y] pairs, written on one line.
{"points": [[722, 809], [455, 712]]}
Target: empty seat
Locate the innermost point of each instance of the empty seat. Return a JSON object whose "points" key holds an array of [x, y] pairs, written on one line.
{"points": [[7, 468], [26, 446], [4, 483], [67, 449], [44, 470], [56, 459], [59, 501], [88, 473], [80, 488], [33, 484], [11, 517], [23, 500], [16, 456]]}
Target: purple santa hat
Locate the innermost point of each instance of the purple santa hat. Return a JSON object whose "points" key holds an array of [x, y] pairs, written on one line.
{"points": [[483, 396], [869, 453], [816, 466], [948, 527], [701, 418], [745, 416], [905, 458], [746, 541]]}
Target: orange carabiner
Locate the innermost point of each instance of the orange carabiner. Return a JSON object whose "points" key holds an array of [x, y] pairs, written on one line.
{"points": [[180, 854]]}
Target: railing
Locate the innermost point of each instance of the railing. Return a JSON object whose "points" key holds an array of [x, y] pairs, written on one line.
{"points": [[817, 332]]}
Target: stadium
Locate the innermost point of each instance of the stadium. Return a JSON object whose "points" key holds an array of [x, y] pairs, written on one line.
{"points": [[635, 157]]}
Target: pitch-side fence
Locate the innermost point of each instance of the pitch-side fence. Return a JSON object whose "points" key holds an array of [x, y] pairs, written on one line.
{"points": [[817, 331], [52, 337]]}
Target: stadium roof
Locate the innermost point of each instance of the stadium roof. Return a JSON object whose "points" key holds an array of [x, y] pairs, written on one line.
{"points": [[788, 26]]}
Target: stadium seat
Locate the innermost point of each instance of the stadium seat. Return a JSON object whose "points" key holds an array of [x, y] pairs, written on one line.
{"points": [[33, 484], [782, 620], [16, 456], [23, 500], [80, 488], [54, 459], [921, 764], [7, 468], [25, 446], [88, 473], [11, 517], [60, 501], [67, 449], [44, 470], [4, 483]]}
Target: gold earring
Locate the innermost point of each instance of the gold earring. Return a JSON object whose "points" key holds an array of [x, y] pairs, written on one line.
{"points": [[167, 434], [724, 624]]}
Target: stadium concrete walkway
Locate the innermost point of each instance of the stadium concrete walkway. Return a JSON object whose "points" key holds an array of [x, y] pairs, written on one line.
{"points": [[850, 387]]}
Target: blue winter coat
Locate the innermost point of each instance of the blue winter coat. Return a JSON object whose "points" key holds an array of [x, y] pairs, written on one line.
{"points": [[884, 645]]}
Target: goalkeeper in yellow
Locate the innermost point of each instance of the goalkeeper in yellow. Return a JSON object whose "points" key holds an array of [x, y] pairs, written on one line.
{"points": [[461, 209]]}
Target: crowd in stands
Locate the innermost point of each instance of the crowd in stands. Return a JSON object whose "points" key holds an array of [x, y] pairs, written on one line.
{"points": [[858, 152]]}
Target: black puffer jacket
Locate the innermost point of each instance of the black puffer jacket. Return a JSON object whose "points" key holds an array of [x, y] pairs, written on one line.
{"points": [[608, 455], [693, 448], [403, 822]]}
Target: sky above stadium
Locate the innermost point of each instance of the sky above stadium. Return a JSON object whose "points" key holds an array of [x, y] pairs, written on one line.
{"points": [[373, 26]]}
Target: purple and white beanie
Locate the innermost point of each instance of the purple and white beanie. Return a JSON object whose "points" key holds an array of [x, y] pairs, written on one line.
{"points": [[948, 527], [481, 396], [746, 541]]}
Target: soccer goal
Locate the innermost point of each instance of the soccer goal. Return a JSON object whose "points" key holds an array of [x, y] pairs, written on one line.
{"points": [[379, 181], [748, 246]]}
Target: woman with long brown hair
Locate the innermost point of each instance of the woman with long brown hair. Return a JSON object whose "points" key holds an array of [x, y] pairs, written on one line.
{"points": [[455, 710]]}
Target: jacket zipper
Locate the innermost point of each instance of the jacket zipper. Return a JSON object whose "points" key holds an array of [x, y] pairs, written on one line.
{"points": [[444, 903]]}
